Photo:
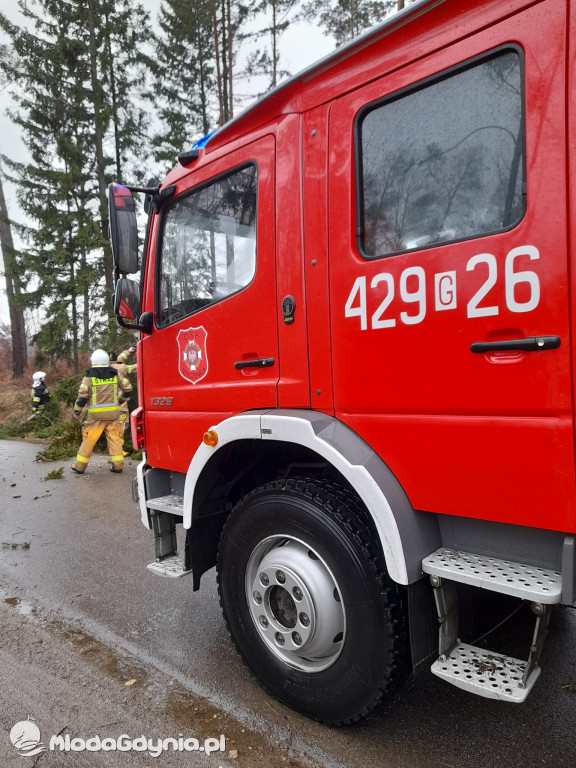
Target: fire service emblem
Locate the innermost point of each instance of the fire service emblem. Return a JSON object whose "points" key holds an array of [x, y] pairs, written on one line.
{"points": [[192, 357]]}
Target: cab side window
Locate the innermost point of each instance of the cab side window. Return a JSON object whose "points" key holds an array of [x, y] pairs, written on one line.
{"points": [[208, 245], [445, 161]]}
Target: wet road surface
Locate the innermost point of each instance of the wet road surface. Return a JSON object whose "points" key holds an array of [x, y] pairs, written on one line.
{"points": [[73, 557]]}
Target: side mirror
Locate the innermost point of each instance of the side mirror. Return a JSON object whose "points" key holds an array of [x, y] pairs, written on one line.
{"points": [[123, 229], [127, 300]]}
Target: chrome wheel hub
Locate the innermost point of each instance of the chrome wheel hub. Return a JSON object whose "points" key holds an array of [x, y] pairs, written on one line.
{"points": [[295, 603]]}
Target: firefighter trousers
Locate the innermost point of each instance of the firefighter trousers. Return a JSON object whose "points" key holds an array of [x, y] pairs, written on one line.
{"points": [[91, 432]]}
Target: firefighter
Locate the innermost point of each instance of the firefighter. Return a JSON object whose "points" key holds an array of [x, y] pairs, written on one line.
{"points": [[102, 392], [119, 363], [39, 395]]}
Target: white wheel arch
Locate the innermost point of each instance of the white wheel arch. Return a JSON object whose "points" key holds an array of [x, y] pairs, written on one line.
{"points": [[297, 427]]}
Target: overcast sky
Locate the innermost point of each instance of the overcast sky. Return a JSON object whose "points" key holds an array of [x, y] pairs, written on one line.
{"points": [[301, 45]]}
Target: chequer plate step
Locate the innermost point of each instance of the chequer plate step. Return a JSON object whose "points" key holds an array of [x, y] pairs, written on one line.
{"points": [[173, 503], [517, 579], [485, 673], [171, 567]]}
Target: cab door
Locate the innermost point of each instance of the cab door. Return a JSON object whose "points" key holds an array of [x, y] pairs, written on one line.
{"points": [[213, 350], [449, 273]]}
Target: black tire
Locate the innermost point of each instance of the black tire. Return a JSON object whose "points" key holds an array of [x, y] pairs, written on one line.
{"points": [[307, 601]]}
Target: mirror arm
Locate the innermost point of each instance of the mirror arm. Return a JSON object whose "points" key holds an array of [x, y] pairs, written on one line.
{"points": [[144, 323], [129, 326]]}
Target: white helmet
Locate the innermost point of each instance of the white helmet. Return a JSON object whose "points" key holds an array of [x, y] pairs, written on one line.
{"points": [[99, 357], [38, 377]]}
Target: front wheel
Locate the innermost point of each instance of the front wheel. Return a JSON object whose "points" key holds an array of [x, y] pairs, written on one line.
{"points": [[307, 601]]}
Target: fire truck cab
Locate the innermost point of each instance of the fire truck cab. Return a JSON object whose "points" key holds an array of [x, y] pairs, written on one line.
{"points": [[355, 366]]}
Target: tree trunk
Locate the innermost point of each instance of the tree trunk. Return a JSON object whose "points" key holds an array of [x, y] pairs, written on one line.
{"points": [[221, 119], [112, 75], [18, 330], [274, 47], [224, 41], [230, 60], [101, 168]]}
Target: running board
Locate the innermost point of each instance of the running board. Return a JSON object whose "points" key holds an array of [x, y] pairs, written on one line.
{"points": [[171, 567], [173, 504], [488, 674], [539, 585]]}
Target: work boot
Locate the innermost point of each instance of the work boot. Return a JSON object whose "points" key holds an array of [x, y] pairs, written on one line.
{"points": [[78, 471], [116, 471]]}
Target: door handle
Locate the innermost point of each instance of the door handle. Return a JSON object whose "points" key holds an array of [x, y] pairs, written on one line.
{"points": [[529, 344], [261, 362]]}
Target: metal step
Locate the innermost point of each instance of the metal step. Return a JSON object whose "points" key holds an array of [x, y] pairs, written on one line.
{"points": [[171, 567], [173, 504], [517, 579], [486, 674]]}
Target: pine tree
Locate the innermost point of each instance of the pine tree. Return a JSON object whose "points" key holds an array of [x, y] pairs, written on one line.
{"points": [[183, 84], [345, 19], [19, 352], [13, 292], [74, 76], [227, 21], [55, 186], [265, 61], [116, 30]]}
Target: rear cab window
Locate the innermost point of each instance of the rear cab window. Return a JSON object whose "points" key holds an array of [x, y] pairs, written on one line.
{"points": [[443, 161]]}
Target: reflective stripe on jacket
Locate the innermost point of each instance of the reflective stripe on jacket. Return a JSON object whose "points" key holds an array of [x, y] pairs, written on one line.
{"points": [[102, 392]]}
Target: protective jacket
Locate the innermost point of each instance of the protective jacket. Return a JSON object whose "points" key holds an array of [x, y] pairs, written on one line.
{"points": [[121, 360], [124, 369], [40, 396], [102, 392]]}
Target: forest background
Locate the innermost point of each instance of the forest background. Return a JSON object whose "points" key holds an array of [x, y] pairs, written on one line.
{"points": [[104, 90]]}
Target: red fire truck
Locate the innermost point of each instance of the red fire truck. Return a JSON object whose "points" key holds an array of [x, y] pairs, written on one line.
{"points": [[355, 368]]}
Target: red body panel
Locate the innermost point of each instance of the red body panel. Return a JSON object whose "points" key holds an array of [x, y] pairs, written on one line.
{"points": [[467, 433], [239, 328], [487, 436]]}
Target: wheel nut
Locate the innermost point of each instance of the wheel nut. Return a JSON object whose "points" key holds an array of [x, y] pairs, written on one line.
{"points": [[264, 579], [297, 638], [279, 638], [304, 619], [257, 597], [280, 577], [297, 592], [263, 621]]}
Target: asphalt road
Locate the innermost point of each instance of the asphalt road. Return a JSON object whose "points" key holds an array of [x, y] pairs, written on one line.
{"points": [[81, 616]]}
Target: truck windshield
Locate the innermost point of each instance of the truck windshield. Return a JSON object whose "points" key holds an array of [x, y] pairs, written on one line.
{"points": [[208, 246]]}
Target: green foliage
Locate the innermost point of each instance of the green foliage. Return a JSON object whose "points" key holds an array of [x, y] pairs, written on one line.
{"points": [[183, 76], [56, 474], [345, 19], [66, 391], [76, 68], [264, 58], [65, 445]]}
